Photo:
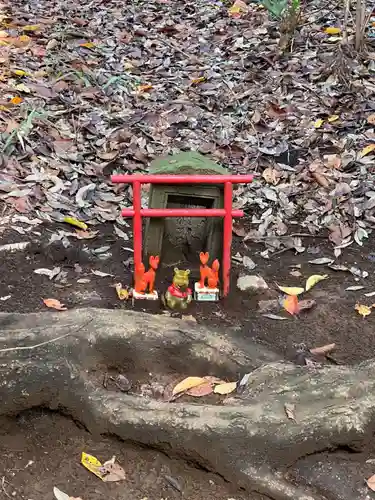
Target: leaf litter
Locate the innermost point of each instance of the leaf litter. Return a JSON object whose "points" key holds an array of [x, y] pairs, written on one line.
{"points": [[208, 77]]}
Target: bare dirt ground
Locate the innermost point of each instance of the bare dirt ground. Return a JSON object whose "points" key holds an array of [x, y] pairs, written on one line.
{"points": [[41, 450], [332, 320]]}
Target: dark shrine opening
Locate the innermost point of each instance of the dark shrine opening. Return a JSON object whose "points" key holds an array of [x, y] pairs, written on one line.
{"points": [[185, 237]]}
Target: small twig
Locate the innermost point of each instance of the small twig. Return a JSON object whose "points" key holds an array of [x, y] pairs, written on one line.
{"points": [[3, 487], [303, 235], [24, 348]]}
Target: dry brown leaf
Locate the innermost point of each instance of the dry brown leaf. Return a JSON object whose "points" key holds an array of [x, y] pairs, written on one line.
{"points": [[55, 304], [290, 411], [112, 472], [239, 230], [325, 349], [306, 304], [371, 482], [188, 383], [371, 119], [271, 175], [320, 179], [200, 390], [85, 235], [226, 388]]}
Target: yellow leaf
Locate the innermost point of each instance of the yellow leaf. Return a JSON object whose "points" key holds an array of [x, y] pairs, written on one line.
{"points": [[22, 88], [314, 279], [122, 294], [291, 290], [332, 30], [16, 100], [196, 81], [368, 149], [128, 65], [19, 72], [31, 27], [363, 310], [75, 222], [92, 464], [24, 38], [226, 388], [333, 118], [188, 383], [239, 7], [88, 45], [318, 123]]}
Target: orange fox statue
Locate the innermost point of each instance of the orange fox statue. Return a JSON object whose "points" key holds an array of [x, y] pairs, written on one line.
{"points": [[146, 279], [211, 274]]}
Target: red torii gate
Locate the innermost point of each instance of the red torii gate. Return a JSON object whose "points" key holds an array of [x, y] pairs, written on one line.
{"points": [[137, 212]]}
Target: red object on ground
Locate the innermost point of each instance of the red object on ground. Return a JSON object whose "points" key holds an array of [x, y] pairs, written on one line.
{"points": [[137, 212]]}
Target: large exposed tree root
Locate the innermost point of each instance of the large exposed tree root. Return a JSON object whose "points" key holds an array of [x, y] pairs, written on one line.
{"points": [[249, 440]]}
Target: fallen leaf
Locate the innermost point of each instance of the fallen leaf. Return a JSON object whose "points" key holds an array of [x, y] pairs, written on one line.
{"points": [[31, 27], [239, 7], [333, 118], [188, 383], [200, 390], [370, 294], [306, 304], [112, 471], [226, 388], [21, 87], [368, 149], [196, 81], [371, 482], [19, 72], [60, 495], [291, 290], [92, 464], [363, 310], [318, 123], [16, 100], [290, 304], [75, 222], [354, 288], [5, 297], [332, 30], [275, 316], [51, 273], [144, 88], [271, 175], [290, 411], [314, 279], [321, 260], [371, 119], [100, 273], [87, 45], [325, 349], [174, 483], [121, 233], [122, 294], [55, 304], [85, 235]]}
